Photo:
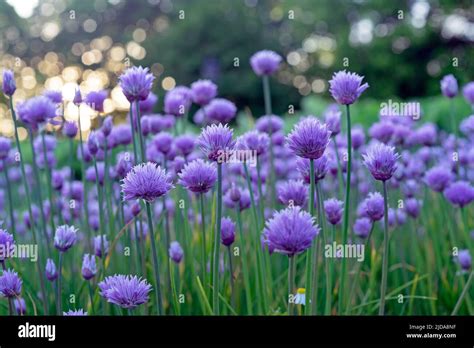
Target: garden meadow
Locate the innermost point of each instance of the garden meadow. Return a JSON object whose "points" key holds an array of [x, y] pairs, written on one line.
{"points": [[172, 217]]}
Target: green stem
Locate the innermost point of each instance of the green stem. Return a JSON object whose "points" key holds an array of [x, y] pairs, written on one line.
{"points": [[203, 237], [10, 199], [327, 308], [28, 202], [40, 196], [310, 255], [49, 185], [134, 141], [383, 285], [59, 295], [463, 294], [291, 283], [346, 207], [158, 294], [84, 183], [231, 274], [140, 135], [101, 216], [245, 270], [217, 233]]}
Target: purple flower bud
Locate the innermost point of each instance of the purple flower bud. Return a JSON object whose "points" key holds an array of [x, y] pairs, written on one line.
{"points": [[65, 237], [374, 206], [107, 126], [227, 231], [362, 227], [234, 194], [333, 209], [51, 272], [215, 141], [20, 306], [269, 124], [320, 168], [101, 243], [57, 180], [412, 207], [177, 101], [8, 85], [176, 252], [163, 142], [89, 267], [449, 86], [77, 97], [198, 176], [464, 259], [70, 129], [468, 92], [185, 144], [333, 121], [93, 144], [358, 137], [5, 147], [96, 100]]}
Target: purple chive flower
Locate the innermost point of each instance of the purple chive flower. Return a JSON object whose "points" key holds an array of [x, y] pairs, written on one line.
{"points": [[412, 207], [309, 138], [459, 193], [176, 252], [198, 176], [185, 144], [438, 178], [290, 231], [345, 87], [65, 237], [265, 62], [321, 167], [146, 181], [36, 110], [227, 231], [362, 227], [70, 129], [449, 86], [107, 126], [7, 244], [358, 137], [96, 100], [333, 121], [55, 96], [51, 271], [382, 131], [5, 147], [464, 259], [269, 124], [10, 284], [163, 142], [98, 241], [381, 160], [8, 84], [203, 91], [136, 83], [333, 209], [253, 141], [20, 306], [467, 126], [468, 92], [89, 267], [125, 291], [57, 180], [177, 101], [121, 135], [216, 141], [93, 143], [374, 206], [146, 106], [292, 193], [234, 194], [221, 110], [77, 97], [75, 313]]}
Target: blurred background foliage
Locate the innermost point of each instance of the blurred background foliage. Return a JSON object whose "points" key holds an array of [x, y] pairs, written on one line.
{"points": [[402, 48]]}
